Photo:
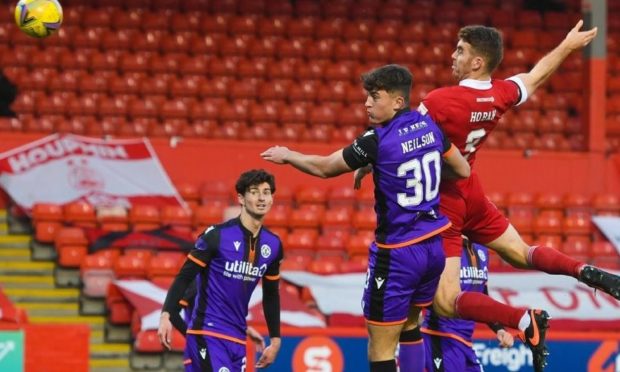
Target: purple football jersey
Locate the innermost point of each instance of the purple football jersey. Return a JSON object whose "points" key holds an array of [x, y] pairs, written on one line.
{"points": [[406, 154], [225, 285]]}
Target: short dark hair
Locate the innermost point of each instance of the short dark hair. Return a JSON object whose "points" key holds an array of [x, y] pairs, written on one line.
{"points": [[391, 78], [255, 177], [486, 42]]}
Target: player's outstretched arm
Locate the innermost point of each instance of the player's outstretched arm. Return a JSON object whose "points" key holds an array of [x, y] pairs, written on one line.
{"points": [[315, 165], [574, 40], [271, 309], [459, 167]]}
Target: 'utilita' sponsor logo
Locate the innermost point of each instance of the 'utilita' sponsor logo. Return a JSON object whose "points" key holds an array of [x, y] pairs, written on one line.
{"points": [[245, 268]]}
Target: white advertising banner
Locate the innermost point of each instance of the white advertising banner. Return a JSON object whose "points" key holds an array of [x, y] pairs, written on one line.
{"points": [[64, 168], [570, 303], [610, 226]]}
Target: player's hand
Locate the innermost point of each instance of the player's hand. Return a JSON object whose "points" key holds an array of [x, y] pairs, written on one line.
{"points": [[505, 338], [576, 39], [276, 154], [165, 330], [359, 174], [269, 354], [256, 338]]}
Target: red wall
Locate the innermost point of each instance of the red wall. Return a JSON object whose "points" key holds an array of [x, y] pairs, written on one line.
{"points": [[197, 161]]}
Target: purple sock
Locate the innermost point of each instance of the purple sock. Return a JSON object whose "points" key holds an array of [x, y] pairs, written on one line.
{"points": [[411, 355]]}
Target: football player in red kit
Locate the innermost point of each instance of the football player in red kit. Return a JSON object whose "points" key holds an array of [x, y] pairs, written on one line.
{"points": [[467, 113]]}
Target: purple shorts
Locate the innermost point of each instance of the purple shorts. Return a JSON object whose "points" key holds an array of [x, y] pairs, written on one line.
{"points": [[448, 354], [399, 278], [208, 353]]}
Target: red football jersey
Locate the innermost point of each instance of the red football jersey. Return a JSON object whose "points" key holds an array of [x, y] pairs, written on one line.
{"points": [[468, 112]]}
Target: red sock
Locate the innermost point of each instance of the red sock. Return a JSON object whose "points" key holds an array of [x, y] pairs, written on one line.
{"points": [[552, 261], [483, 309]]}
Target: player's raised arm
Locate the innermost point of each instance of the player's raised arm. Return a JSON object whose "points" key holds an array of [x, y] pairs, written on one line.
{"points": [[574, 40], [315, 165]]}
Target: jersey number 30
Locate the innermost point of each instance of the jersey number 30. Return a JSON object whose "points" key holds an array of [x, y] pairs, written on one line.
{"points": [[427, 191]]}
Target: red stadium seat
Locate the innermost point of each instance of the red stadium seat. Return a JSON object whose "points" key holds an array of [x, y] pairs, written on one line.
{"points": [[305, 217], [301, 240], [47, 212], [337, 221], [359, 30], [70, 236], [144, 217], [148, 342], [301, 28], [356, 264], [549, 240], [180, 22], [322, 267], [80, 214], [604, 249], [606, 203], [576, 203], [113, 218], [165, 264], [577, 224], [341, 196], [549, 201], [331, 245], [522, 220], [177, 217], [577, 247], [45, 231], [272, 26], [278, 216], [71, 256], [548, 222], [207, 215], [359, 243]]}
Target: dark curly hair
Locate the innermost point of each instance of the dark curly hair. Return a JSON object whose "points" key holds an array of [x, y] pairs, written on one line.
{"points": [[255, 177]]}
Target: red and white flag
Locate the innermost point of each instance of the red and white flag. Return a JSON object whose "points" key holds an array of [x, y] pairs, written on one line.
{"points": [[63, 168], [148, 299]]}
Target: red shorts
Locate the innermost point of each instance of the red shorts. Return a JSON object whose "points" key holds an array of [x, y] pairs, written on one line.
{"points": [[471, 213]]}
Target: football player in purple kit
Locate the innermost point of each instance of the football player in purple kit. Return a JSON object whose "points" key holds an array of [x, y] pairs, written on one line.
{"points": [[447, 341], [227, 262], [406, 150]]}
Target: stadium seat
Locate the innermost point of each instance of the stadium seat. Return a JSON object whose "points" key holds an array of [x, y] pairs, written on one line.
{"points": [[305, 217], [301, 240], [576, 203], [47, 212], [113, 218], [70, 236], [177, 217], [356, 264], [322, 267], [331, 245], [359, 243], [337, 218], [365, 219], [71, 256], [45, 231], [130, 266], [278, 216], [80, 214], [207, 214], [522, 220], [549, 240], [606, 203], [144, 217], [603, 249], [577, 224], [577, 247], [148, 342], [165, 264], [548, 222], [549, 201]]}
